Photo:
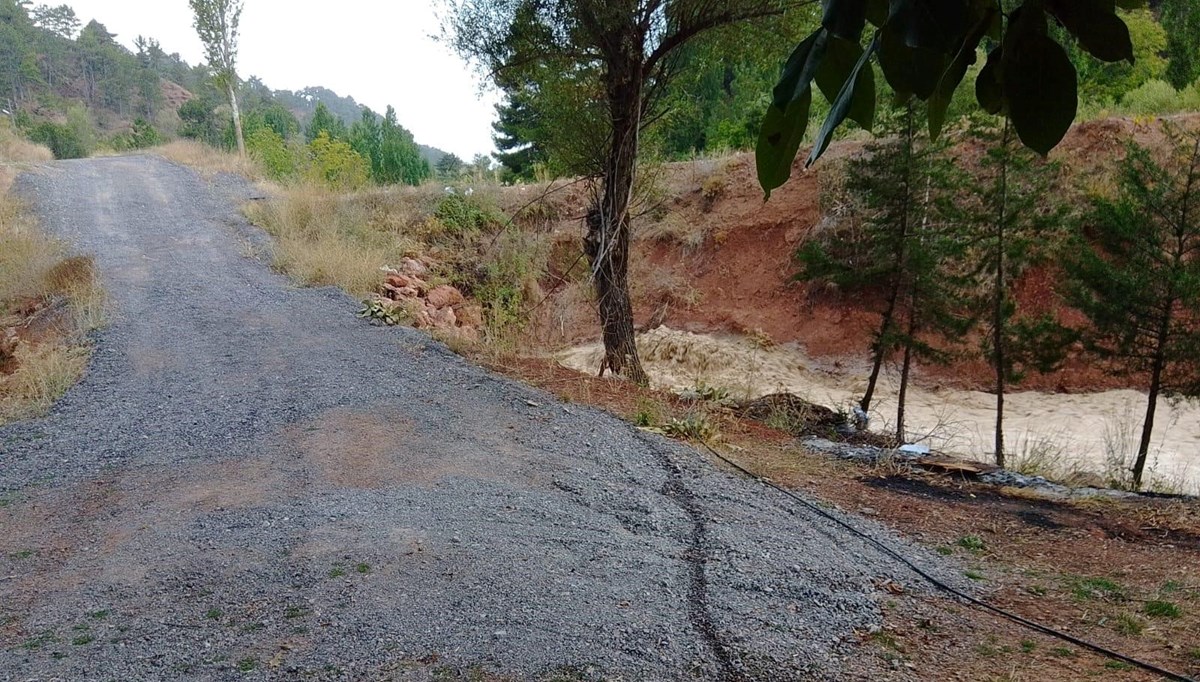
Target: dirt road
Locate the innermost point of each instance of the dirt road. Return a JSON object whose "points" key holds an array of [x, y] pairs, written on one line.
{"points": [[251, 483]]}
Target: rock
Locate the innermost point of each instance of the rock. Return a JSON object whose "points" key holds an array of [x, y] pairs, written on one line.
{"points": [[398, 281], [421, 319], [444, 296], [470, 315], [444, 318], [413, 268]]}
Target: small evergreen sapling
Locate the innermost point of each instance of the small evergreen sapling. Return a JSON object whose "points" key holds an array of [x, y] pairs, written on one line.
{"points": [[1135, 274]]}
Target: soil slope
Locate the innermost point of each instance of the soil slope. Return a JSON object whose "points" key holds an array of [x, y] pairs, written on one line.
{"points": [[735, 255]]}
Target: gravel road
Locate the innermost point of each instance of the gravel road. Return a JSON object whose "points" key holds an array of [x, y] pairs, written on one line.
{"points": [[251, 483]]}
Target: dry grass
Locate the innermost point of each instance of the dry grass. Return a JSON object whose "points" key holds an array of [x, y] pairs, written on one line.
{"points": [[26, 255], [48, 302], [45, 372], [209, 161], [325, 238], [14, 148]]}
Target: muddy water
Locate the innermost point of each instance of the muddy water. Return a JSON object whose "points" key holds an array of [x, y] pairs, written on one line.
{"points": [[1068, 432]]}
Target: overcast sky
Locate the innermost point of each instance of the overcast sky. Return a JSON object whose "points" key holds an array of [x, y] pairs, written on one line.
{"points": [[378, 52]]}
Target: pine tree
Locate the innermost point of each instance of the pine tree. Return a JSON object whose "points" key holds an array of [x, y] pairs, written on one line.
{"points": [[1014, 221], [323, 121], [903, 250], [516, 134], [1135, 274]]}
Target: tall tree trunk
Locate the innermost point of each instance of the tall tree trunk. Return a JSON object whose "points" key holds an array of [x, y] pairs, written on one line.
{"points": [[1156, 373], [237, 118], [608, 237], [906, 365], [998, 356], [879, 349]]}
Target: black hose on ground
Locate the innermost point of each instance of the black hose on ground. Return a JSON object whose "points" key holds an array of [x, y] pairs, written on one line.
{"points": [[1025, 622]]}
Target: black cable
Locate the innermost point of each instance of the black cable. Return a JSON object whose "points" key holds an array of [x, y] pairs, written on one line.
{"points": [[1032, 625]]}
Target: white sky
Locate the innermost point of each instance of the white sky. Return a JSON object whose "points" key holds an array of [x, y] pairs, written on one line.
{"points": [[377, 51]]}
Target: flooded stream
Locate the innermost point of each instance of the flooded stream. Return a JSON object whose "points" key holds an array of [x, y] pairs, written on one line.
{"points": [[1066, 432]]}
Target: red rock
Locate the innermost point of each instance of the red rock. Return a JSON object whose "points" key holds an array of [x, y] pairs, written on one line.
{"points": [[398, 281], [444, 318], [444, 296]]}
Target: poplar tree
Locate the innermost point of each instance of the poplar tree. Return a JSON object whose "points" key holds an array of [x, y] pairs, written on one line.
{"points": [[216, 23]]}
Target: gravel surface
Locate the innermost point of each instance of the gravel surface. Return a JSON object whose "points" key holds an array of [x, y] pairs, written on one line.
{"points": [[251, 483]]}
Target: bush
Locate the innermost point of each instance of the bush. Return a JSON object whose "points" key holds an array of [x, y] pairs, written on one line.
{"points": [[336, 164], [62, 140], [460, 214], [143, 136], [265, 146], [1157, 97]]}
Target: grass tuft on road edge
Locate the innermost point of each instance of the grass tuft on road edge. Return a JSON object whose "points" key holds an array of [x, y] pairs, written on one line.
{"points": [[49, 301]]}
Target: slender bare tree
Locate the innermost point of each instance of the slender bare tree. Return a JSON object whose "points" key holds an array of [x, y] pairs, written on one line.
{"points": [[216, 23]]}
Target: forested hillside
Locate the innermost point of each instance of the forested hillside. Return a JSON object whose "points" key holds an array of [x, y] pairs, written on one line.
{"points": [[75, 88]]}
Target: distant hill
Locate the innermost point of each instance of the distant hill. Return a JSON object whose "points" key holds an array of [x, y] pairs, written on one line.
{"points": [[431, 154], [303, 103], [54, 68]]}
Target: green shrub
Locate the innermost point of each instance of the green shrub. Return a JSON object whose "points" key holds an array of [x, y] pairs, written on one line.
{"points": [[336, 164], [511, 271], [268, 148], [1157, 97], [461, 214], [142, 136], [63, 142]]}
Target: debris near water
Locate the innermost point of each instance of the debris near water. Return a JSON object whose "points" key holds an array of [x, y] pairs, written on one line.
{"points": [[790, 413], [979, 471]]}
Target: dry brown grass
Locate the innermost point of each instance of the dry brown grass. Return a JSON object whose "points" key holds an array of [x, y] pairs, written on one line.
{"points": [[49, 301], [326, 238], [26, 255], [209, 161], [14, 148], [45, 372]]}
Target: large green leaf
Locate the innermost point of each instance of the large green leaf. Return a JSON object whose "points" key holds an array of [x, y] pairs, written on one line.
{"points": [[1041, 91], [860, 79], [929, 24], [800, 69], [987, 85], [910, 71], [841, 58], [845, 18], [779, 141], [952, 77], [1097, 27], [877, 12]]}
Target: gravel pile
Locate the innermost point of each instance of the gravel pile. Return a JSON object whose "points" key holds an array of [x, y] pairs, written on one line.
{"points": [[252, 483]]}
